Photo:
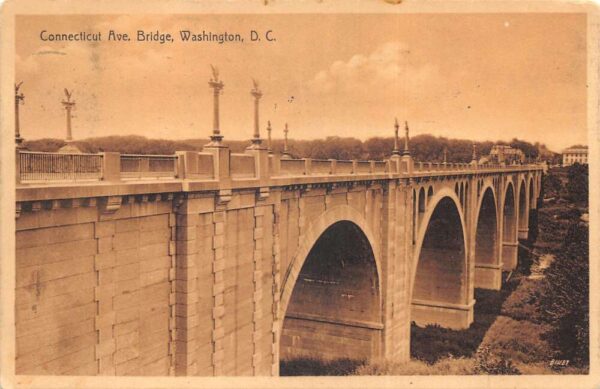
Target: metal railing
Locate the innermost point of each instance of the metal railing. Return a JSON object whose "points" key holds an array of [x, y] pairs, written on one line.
{"points": [[41, 166], [148, 166]]}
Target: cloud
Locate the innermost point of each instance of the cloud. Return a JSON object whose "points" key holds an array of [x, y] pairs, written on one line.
{"points": [[389, 69]]}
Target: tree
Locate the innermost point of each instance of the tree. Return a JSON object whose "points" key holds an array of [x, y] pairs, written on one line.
{"points": [[565, 297], [552, 185], [577, 184]]}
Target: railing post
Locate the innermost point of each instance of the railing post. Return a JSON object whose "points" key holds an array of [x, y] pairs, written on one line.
{"points": [[111, 166], [18, 166], [354, 166], [221, 155], [307, 166], [274, 164], [144, 166], [333, 166], [261, 163], [371, 167], [186, 163]]}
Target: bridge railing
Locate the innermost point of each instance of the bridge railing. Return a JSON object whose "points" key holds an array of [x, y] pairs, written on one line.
{"points": [[135, 166], [292, 167], [242, 166], [39, 167]]}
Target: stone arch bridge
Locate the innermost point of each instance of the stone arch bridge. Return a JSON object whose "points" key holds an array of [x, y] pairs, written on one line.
{"points": [[213, 263]]}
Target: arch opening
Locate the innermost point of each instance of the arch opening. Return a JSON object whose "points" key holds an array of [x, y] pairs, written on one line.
{"points": [[522, 207], [509, 231], [414, 215], [440, 286], [335, 307], [422, 200], [488, 274], [532, 204]]}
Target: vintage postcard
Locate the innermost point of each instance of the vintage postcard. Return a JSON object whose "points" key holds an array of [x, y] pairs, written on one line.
{"points": [[295, 194]]}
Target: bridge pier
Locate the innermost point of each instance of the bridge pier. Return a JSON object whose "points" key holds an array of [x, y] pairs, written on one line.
{"points": [[523, 233], [488, 276], [510, 255], [446, 315]]}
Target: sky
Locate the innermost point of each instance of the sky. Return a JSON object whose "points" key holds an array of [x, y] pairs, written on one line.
{"points": [[471, 76]]}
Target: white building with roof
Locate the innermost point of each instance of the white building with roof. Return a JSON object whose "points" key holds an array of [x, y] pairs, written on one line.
{"points": [[574, 154]]}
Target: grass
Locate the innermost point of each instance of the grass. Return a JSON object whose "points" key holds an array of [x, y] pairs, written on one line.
{"points": [[444, 366]]}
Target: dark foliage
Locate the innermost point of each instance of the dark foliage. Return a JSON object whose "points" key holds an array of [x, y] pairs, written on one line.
{"points": [[533, 225], [425, 148], [318, 367], [130, 144], [45, 144], [488, 363], [577, 184], [433, 343], [552, 185], [565, 297]]}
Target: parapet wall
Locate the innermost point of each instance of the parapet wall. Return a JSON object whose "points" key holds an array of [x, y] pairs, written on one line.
{"points": [[93, 290]]}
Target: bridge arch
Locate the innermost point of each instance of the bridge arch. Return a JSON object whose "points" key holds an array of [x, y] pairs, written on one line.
{"points": [[422, 200], [531, 191], [487, 254], [439, 279], [509, 229], [331, 301], [523, 214]]}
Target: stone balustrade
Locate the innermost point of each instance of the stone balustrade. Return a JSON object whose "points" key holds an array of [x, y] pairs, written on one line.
{"points": [[41, 167]]}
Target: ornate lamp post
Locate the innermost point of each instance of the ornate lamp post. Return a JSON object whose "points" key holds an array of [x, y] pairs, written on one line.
{"points": [[286, 153], [217, 86], [474, 157], [69, 106], [19, 99], [396, 150], [406, 139], [445, 155], [257, 94], [269, 144]]}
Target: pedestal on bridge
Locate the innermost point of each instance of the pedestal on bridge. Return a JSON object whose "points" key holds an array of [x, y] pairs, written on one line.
{"points": [[446, 315]]}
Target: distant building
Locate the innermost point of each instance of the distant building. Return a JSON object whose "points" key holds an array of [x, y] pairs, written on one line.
{"points": [[575, 154], [506, 154]]}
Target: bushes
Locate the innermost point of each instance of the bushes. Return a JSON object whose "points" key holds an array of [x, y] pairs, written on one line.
{"points": [[433, 343], [487, 363], [552, 185], [565, 297], [517, 340], [523, 303], [577, 184], [311, 366]]}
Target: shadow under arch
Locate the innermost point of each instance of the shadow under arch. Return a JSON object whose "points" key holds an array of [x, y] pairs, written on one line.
{"points": [[488, 270], [331, 303], [532, 204], [439, 291], [509, 229]]}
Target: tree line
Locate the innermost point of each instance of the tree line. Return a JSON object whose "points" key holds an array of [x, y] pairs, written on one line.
{"points": [[424, 147]]}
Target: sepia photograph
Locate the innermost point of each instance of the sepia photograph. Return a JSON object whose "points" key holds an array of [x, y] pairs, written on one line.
{"points": [[274, 190]]}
